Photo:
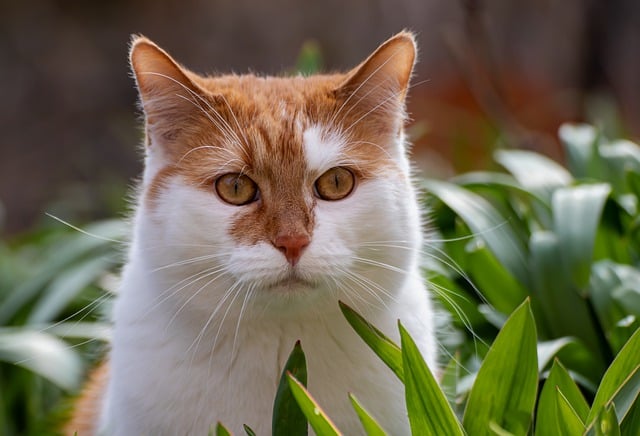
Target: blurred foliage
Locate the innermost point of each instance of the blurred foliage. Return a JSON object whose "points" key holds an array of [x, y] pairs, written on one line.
{"points": [[310, 59], [52, 308], [536, 269]]}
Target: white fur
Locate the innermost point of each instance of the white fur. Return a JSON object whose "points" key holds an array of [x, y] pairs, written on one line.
{"points": [[185, 356], [322, 148]]}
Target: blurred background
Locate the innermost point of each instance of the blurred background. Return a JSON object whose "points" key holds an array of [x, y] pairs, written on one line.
{"points": [[494, 72]]}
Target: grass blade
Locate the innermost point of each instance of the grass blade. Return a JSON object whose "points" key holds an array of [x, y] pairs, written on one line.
{"points": [[318, 420], [384, 347], [221, 430], [370, 425], [428, 408]]}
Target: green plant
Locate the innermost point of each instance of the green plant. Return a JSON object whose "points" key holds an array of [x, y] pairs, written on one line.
{"points": [[51, 313]]}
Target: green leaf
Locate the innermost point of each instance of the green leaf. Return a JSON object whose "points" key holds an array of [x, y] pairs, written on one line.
{"points": [[319, 421], [628, 394], [625, 363], [549, 415], [631, 424], [487, 223], [221, 430], [370, 425], [248, 430], [555, 294], [384, 347], [288, 419], [495, 283], [67, 286], [547, 350], [580, 142], [449, 380], [533, 171], [569, 422], [43, 354], [505, 389], [576, 214], [57, 257], [606, 423], [428, 408]]}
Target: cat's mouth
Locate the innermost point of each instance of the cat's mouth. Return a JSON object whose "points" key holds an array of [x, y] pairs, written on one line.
{"points": [[291, 283]]}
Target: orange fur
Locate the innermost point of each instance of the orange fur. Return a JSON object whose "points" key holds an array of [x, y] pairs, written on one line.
{"points": [[89, 405]]}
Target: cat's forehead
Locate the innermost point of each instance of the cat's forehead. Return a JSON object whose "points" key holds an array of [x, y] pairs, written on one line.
{"points": [[282, 122]]}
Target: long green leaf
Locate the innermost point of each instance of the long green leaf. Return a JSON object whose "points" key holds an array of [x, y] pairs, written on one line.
{"points": [[288, 418], [505, 389], [370, 425], [428, 408], [555, 293], [319, 421], [43, 354], [384, 347], [495, 283], [487, 223], [67, 286], [627, 361], [580, 142], [533, 171], [576, 214]]}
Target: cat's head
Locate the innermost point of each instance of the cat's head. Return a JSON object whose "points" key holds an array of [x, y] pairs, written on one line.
{"points": [[290, 189]]}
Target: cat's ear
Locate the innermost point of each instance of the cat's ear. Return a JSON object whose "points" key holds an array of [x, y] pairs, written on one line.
{"points": [[168, 94], [384, 76]]}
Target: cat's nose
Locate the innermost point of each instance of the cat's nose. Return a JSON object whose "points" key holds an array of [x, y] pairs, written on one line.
{"points": [[292, 246]]}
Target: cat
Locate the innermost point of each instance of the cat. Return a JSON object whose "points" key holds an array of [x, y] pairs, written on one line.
{"points": [[264, 201]]}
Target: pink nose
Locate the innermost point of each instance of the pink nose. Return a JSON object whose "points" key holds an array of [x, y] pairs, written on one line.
{"points": [[292, 246]]}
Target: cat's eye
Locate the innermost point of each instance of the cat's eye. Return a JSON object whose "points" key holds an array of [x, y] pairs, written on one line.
{"points": [[236, 189], [335, 184]]}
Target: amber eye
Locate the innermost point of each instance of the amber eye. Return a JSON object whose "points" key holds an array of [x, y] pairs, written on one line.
{"points": [[335, 184], [236, 189]]}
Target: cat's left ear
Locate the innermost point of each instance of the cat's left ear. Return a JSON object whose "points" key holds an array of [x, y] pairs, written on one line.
{"points": [[385, 74], [169, 95]]}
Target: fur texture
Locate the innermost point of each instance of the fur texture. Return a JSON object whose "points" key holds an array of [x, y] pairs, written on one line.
{"points": [[214, 295]]}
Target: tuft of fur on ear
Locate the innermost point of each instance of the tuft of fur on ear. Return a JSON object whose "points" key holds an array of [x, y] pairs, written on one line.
{"points": [[170, 98], [374, 92]]}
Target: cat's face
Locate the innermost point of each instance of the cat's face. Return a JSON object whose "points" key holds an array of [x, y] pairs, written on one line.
{"points": [[278, 191]]}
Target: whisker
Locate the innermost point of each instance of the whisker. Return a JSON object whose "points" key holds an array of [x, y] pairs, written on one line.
{"points": [[84, 232]]}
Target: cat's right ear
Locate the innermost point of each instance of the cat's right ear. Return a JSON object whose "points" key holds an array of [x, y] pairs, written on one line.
{"points": [[168, 95]]}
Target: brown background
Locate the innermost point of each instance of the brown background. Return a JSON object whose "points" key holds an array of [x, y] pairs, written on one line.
{"points": [[495, 71]]}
